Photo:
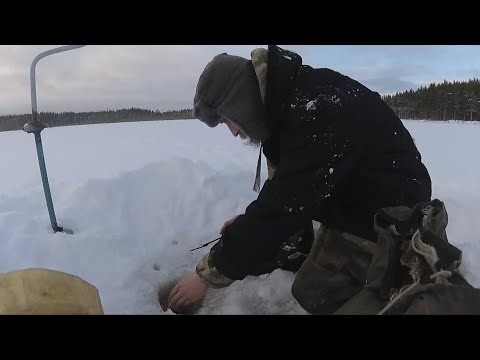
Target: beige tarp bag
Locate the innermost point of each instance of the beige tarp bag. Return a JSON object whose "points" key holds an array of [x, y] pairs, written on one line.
{"points": [[47, 292]]}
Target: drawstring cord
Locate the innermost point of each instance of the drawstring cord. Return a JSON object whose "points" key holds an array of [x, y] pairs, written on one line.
{"points": [[256, 185]]}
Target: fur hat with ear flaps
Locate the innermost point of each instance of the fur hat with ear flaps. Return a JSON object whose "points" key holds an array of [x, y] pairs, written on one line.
{"points": [[228, 87]]}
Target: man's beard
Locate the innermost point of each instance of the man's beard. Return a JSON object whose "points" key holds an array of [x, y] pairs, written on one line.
{"points": [[249, 141]]}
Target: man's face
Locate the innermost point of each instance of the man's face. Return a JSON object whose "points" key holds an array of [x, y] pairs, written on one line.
{"points": [[237, 132], [233, 129]]}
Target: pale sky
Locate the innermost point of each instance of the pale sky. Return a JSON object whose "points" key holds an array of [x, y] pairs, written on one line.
{"points": [[163, 77]]}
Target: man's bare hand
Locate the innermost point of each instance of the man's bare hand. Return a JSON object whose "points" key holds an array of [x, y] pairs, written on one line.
{"points": [[188, 291], [227, 224]]}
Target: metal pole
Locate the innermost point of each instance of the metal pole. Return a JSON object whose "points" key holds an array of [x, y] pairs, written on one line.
{"points": [[36, 127]]}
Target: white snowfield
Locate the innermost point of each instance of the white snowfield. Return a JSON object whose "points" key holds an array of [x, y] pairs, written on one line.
{"points": [[139, 196]]}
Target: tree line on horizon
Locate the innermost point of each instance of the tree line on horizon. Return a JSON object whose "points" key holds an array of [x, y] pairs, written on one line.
{"points": [[457, 100], [54, 119]]}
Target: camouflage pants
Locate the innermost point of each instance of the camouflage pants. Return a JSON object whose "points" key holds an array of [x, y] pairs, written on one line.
{"points": [[334, 271]]}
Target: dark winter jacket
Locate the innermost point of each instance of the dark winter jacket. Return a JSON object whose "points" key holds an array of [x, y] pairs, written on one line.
{"points": [[340, 153]]}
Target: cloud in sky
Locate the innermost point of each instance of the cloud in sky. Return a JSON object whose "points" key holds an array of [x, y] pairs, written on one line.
{"points": [[163, 77]]}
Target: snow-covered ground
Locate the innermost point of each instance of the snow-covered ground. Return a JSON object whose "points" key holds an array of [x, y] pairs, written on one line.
{"points": [[139, 196]]}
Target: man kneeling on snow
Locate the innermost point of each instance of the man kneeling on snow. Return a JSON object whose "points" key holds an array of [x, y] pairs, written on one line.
{"points": [[336, 153]]}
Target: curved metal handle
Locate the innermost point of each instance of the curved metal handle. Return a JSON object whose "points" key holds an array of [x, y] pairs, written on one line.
{"points": [[33, 84]]}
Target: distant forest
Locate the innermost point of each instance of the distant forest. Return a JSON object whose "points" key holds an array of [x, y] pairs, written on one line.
{"points": [[53, 119], [459, 100]]}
